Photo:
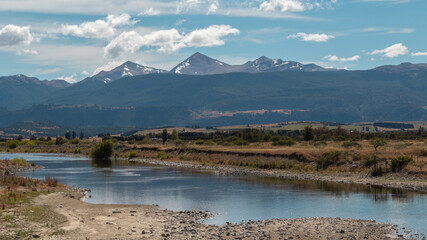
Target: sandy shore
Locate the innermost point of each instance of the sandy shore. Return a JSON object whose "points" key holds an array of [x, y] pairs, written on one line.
{"points": [[93, 221], [399, 183]]}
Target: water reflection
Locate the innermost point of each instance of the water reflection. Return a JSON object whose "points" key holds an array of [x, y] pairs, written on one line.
{"points": [[377, 193], [103, 163]]}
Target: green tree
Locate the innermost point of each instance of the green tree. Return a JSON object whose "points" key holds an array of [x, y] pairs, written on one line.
{"points": [[68, 135], [74, 135], [82, 135], [165, 135], [377, 142], [175, 135], [307, 133], [102, 150]]}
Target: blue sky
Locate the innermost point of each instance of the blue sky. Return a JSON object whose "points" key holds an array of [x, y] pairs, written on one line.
{"points": [[71, 40]]}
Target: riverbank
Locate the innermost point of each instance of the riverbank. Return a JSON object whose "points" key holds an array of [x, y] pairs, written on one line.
{"points": [[89, 221], [410, 184]]}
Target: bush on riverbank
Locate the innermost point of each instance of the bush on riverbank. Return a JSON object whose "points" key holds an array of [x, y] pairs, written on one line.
{"points": [[102, 150], [398, 163]]}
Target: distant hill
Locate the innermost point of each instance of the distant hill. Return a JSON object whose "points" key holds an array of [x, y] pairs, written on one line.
{"points": [[96, 116], [350, 95], [20, 91]]}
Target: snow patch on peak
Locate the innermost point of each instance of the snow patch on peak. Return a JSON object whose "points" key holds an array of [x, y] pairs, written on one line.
{"points": [[220, 63], [182, 66]]}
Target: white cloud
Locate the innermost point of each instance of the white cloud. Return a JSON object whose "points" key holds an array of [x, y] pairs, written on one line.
{"points": [[312, 37], [149, 12], [84, 72], [197, 6], [99, 28], [12, 35], [210, 36], [417, 54], [27, 52], [284, 6], [108, 66], [70, 79], [389, 30], [99, 7], [169, 41], [334, 58], [392, 51], [213, 8], [386, 1], [295, 5]]}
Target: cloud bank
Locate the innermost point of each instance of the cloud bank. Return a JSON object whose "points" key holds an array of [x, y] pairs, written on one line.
{"points": [[168, 41], [12, 35]]}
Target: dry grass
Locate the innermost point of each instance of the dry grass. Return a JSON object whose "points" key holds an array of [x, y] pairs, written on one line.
{"points": [[352, 158]]}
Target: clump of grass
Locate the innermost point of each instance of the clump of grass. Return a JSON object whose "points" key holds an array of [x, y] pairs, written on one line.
{"points": [[328, 159], [20, 162], [51, 182]]}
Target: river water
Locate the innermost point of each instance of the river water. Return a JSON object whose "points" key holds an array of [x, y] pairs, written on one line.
{"points": [[234, 199]]}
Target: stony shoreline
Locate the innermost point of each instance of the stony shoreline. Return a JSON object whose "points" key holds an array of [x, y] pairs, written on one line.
{"points": [[103, 221], [404, 184]]}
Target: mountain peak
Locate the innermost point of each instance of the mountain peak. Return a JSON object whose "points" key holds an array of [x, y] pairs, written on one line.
{"points": [[127, 69], [200, 64], [263, 59]]}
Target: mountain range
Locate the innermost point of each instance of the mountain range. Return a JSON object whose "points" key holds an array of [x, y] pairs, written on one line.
{"points": [[200, 64], [200, 89]]}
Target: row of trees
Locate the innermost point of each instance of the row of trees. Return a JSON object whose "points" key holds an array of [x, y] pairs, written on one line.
{"points": [[264, 135]]}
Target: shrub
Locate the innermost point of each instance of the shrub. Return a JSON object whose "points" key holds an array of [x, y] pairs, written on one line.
{"points": [[12, 144], [240, 142], [369, 161], [178, 141], [77, 151], [102, 150], [328, 159], [423, 153], [75, 141], [199, 142], [162, 155], [209, 142], [351, 144], [284, 142], [133, 154], [398, 163]]}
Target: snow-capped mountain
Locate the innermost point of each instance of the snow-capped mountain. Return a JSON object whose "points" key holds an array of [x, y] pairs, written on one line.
{"points": [[127, 69], [265, 64], [199, 64]]}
